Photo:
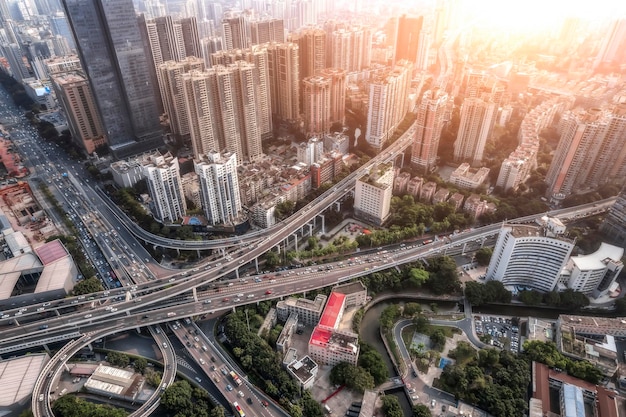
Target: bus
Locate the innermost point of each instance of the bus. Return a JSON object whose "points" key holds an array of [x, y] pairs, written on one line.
{"points": [[240, 412], [235, 378]]}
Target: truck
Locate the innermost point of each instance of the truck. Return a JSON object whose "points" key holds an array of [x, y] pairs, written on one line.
{"points": [[235, 378]]}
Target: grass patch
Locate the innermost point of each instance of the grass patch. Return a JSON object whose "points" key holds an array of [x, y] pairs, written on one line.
{"points": [[447, 330], [407, 335]]}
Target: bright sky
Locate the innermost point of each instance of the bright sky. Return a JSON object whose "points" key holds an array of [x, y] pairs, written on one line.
{"points": [[527, 15]]}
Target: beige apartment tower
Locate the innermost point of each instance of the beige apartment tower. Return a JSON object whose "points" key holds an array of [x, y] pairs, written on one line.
{"points": [[316, 105], [74, 93], [284, 75]]}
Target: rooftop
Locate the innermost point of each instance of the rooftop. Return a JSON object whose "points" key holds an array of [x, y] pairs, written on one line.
{"points": [[350, 288], [596, 260], [18, 377], [51, 252], [333, 309], [303, 368]]}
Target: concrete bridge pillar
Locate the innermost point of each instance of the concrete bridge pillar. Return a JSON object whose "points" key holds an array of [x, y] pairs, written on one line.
{"points": [[295, 237], [323, 224], [256, 264], [195, 294]]}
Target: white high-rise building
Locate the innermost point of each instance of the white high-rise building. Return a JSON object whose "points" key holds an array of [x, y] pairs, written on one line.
{"points": [[162, 174], [478, 116], [530, 257], [373, 192], [219, 186], [595, 273]]}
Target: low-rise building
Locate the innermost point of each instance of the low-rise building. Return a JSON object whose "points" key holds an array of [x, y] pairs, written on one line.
{"points": [[284, 338], [308, 311], [547, 384], [303, 370], [114, 382], [414, 187], [355, 292], [428, 192], [456, 200], [441, 196], [373, 192], [467, 178], [401, 182]]}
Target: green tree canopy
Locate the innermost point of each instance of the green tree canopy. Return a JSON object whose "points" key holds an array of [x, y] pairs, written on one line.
{"points": [[88, 286]]}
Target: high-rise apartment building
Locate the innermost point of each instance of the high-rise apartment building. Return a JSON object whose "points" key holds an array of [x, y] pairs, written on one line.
{"points": [[527, 256], [112, 52], [316, 104], [350, 48], [614, 225], [74, 93], [235, 31], [171, 83], [15, 57], [337, 78], [284, 76], [60, 27], [266, 30], [169, 40], [591, 151], [256, 55], [407, 37], [312, 50], [162, 174], [388, 103], [431, 116], [613, 47], [222, 110], [478, 116], [219, 186], [373, 192]]}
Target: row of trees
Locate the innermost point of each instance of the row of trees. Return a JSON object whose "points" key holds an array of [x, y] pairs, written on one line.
{"points": [[258, 359], [490, 292], [71, 406], [568, 299], [547, 353]]}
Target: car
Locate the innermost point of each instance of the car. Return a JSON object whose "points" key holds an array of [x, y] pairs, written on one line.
{"points": [[236, 300], [229, 387], [88, 316], [265, 404], [224, 371], [249, 400], [202, 362], [40, 397], [268, 292], [199, 380], [250, 295], [240, 394], [225, 300]]}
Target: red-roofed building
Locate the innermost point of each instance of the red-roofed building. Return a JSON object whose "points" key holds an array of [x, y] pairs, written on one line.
{"points": [[600, 399], [328, 345], [51, 252], [333, 312]]}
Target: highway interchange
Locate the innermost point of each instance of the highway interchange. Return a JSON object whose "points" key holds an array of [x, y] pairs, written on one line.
{"points": [[150, 294]]}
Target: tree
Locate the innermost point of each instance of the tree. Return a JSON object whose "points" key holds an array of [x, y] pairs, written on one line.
{"points": [[531, 298], [417, 277], [177, 396], [474, 293], [421, 410], [118, 359], [153, 378], [411, 309], [88, 286], [372, 361], [483, 256], [438, 340], [391, 406], [272, 259], [140, 365]]}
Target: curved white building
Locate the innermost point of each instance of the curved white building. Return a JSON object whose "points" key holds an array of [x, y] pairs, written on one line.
{"points": [[529, 257], [593, 274]]}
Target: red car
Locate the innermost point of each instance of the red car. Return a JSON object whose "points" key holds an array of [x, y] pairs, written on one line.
{"points": [[264, 403], [268, 292], [225, 300]]}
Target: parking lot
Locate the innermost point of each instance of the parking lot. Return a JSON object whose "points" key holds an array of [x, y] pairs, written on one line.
{"points": [[503, 332]]}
